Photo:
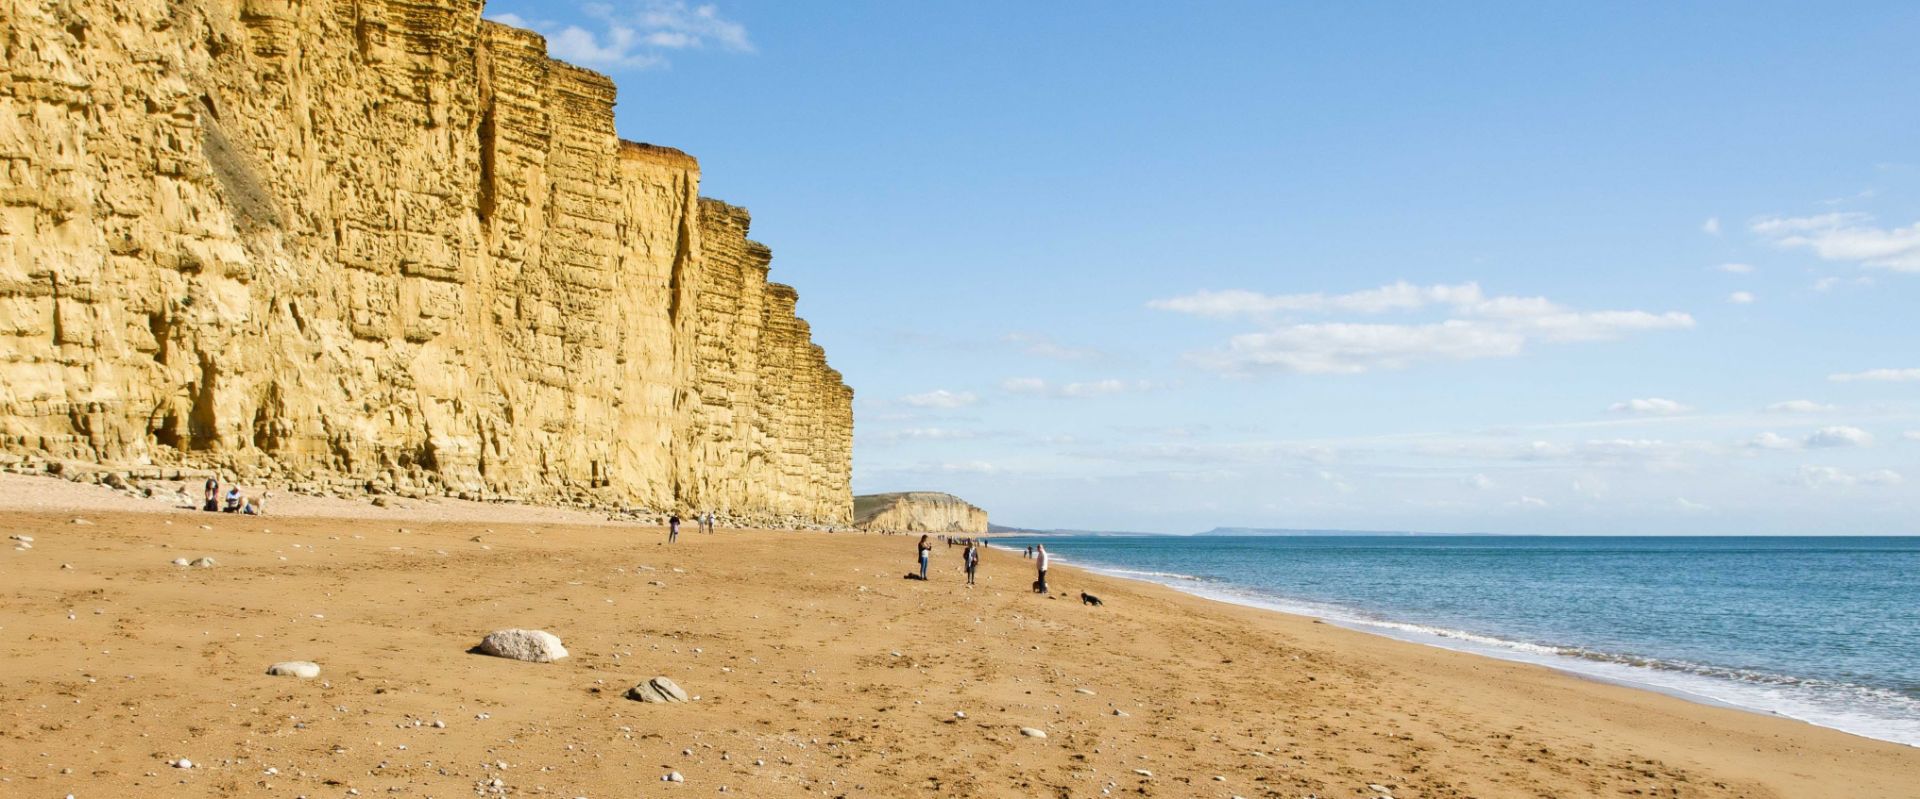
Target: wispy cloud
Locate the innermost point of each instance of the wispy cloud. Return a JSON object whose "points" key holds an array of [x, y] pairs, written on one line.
{"points": [[1848, 236], [1482, 327], [1043, 346], [1878, 375], [1035, 386], [1652, 405], [1711, 227], [1830, 477], [925, 434], [941, 398], [1800, 406], [1836, 437], [1736, 269], [636, 35], [1741, 298]]}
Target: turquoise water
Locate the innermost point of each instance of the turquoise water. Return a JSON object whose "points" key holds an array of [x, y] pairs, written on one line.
{"points": [[1826, 630]]}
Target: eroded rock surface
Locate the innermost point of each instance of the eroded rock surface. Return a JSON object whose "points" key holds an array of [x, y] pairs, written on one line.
{"points": [[388, 245], [918, 512]]}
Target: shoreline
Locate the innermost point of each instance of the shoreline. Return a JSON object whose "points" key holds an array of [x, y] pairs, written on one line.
{"points": [[1684, 685], [818, 670]]}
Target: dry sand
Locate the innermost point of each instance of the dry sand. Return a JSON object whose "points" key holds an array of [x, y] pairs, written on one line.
{"points": [[820, 672]]}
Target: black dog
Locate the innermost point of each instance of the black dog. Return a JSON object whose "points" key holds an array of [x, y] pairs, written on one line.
{"points": [[1089, 599]]}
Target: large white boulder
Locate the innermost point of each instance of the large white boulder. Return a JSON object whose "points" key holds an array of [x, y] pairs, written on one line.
{"points": [[533, 646]]}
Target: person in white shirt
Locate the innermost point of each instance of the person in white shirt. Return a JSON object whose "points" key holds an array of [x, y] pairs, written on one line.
{"points": [[1040, 559]]}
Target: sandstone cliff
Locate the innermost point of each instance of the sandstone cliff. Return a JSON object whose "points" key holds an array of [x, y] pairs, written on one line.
{"points": [[918, 512], [384, 244]]}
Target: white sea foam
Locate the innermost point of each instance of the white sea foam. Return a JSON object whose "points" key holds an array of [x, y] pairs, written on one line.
{"points": [[1857, 709]]}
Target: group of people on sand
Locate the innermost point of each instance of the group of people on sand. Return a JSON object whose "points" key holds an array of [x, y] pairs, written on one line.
{"points": [[705, 521], [232, 502], [970, 559]]}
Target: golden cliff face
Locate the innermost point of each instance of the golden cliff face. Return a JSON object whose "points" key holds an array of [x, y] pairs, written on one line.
{"points": [[918, 512], [386, 244]]}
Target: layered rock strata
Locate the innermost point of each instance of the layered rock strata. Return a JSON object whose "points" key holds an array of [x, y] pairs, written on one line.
{"points": [[390, 245], [918, 512]]}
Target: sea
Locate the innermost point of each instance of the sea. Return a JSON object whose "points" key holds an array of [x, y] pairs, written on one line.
{"points": [[1821, 629]]}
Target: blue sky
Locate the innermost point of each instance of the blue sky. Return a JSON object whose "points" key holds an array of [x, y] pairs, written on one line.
{"points": [[1520, 268]]}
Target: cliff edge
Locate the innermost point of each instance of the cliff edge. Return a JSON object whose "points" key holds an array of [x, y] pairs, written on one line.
{"points": [[385, 245], [918, 512]]}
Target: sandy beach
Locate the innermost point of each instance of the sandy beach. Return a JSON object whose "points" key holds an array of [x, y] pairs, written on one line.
{"points": [[818, 671]]}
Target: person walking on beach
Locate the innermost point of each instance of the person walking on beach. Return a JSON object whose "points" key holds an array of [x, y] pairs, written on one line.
{"points": [[673, 528], [1040, 560], [926, 552], [709, 522], [971, 559]]}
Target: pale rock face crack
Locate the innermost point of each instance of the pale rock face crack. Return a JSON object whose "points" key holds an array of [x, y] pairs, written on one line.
{"points": [[386, 244]]}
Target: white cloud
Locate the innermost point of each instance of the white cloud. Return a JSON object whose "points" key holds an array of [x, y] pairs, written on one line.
{"points": [[1528, 502], [1043, 346], [1841, 436], [941, 398], [1878, 375], [1828, 476], [1836, 437], [1651, 406], [1911, 435], [635, 35], [1079, 390], [1741, 298], [1400, 296], [1690, 506], [1487, 327], [1481, 481], [1736, 269], [1800, 406], [926, 434], [1711, 227], [1849, 236]]}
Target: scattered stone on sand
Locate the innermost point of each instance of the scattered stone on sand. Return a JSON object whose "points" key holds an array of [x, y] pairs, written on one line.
{"points": [[304, 669], [1143, 772], [658, 689], [182, 562], [673, 777], [533, 646], [959, 714], [1033, 732], [1087, 691], [182, 763], [1119, 712], [67, 566], [82, 522], [1379, 789], [24, 539], [205, 562]]}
